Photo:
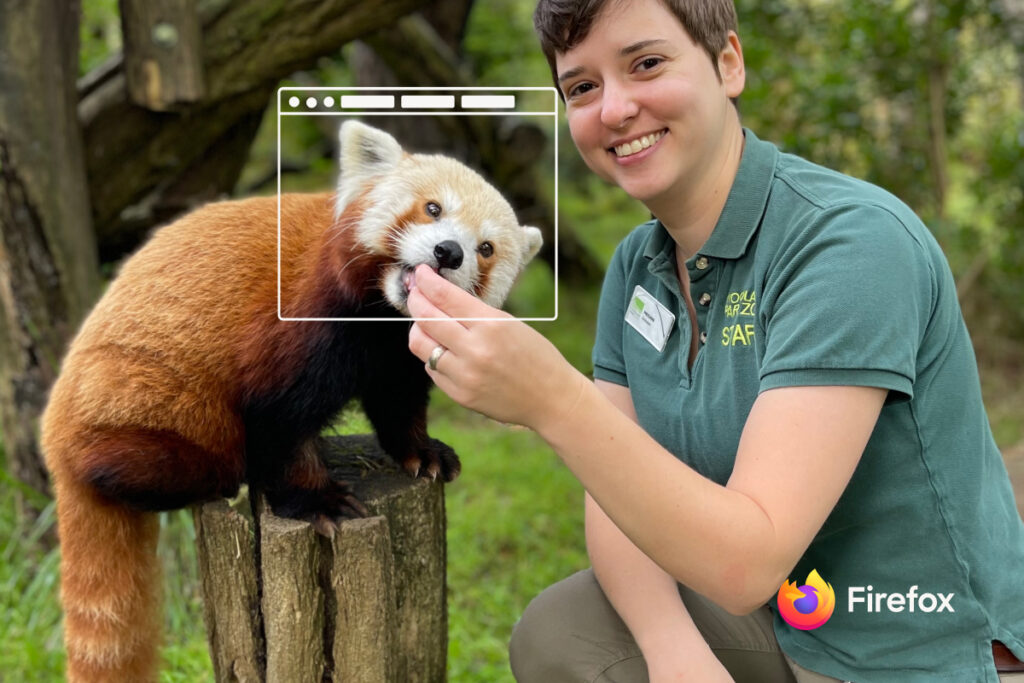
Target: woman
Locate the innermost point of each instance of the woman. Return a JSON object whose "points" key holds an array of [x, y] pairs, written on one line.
{"points": [[783, 384]]}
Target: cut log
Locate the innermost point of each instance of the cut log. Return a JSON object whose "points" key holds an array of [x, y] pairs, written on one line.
{"points": [[283, 603]]}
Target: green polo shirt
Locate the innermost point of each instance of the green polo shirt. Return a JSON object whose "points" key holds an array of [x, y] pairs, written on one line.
{"points": [[813, 278]]}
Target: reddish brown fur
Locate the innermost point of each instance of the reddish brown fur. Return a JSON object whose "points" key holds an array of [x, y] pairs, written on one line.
{"points": [[146, 372], [308, 471], [416, 214], [268, 351], [484, 279]]}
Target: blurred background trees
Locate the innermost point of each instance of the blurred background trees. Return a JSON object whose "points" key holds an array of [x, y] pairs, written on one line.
{"points": [[922, 97]]}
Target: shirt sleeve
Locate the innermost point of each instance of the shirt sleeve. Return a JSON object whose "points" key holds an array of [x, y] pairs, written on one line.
{"points": [[847, 302], [609, 364]]}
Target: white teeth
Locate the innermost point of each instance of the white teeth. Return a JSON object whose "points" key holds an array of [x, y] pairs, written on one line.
{"points": [[641, 143]]}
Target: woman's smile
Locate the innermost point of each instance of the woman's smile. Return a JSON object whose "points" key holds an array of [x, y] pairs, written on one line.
{"points": [[637, 149]]}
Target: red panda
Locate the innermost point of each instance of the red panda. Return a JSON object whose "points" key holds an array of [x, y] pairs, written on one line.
{"points": [[183, 382]]}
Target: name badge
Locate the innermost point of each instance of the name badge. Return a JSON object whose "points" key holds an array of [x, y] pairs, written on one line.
{"points": [[646, 315]]}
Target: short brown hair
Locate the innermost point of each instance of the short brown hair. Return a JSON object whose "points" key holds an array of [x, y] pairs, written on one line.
{"points": [[563, 24]]}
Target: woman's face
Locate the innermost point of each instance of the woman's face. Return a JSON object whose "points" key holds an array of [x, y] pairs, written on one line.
{"points": [[645, 107]]}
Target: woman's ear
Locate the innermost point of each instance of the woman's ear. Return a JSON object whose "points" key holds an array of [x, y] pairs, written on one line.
{"points": [[730, 66]]}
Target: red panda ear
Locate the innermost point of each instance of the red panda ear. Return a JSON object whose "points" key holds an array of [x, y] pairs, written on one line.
{"points": [[365, 153], [534, 240]]}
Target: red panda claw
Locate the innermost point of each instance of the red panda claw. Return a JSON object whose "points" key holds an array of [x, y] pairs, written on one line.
{"points": [[357, 506], [324, 525], [412, 466]]}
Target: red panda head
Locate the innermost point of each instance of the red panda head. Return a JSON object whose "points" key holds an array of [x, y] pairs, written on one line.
{"points": [[431, 209]]}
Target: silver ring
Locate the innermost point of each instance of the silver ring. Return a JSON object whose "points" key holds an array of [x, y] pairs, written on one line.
{"points": [[435, 356]]}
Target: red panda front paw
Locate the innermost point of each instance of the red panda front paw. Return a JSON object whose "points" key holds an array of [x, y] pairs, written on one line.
{"points": [[322, 507], [433, 459]]}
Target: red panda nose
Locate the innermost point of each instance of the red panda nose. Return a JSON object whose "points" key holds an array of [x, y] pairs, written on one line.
{"points": [[448, 254]]}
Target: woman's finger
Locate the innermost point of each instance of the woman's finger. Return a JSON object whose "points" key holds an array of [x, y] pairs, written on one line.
{"points": [[434, 323], [450, 298], [422, 346]]}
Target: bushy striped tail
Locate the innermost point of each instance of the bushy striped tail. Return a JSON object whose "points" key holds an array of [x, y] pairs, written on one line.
{"points": [[110, 587]]}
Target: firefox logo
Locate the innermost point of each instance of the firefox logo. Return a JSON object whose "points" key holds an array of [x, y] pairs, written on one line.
{"points": [[808, 606]]}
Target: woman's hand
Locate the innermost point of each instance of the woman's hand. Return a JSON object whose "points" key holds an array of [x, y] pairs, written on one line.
{"points": [[501, 367]]}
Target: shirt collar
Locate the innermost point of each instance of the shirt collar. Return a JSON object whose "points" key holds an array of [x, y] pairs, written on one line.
{"points": [[743, 209]]}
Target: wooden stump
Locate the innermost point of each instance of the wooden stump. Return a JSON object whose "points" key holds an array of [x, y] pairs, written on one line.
{"points": [[282, 603]]}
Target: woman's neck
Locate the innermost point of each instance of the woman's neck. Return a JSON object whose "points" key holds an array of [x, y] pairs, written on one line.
{"points": [[690, 215]]}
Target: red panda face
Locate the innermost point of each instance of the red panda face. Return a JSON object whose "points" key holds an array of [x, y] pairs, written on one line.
{"points": [[430, 209]]}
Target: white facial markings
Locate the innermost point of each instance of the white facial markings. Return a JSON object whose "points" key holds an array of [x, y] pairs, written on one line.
{"points": [[390, 220], [451, 204], [394, 288], [418, 241], [377, 230]]}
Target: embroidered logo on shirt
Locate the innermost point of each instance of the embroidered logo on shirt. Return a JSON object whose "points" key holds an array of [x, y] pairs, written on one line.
{"points": [[739, 305]]}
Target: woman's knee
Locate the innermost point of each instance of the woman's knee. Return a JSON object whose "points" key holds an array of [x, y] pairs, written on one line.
{"points": [[570, 632]]}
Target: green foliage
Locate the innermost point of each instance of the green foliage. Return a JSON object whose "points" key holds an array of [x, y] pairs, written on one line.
{"points": [[921, 97], [99, 33], [501, 46]]}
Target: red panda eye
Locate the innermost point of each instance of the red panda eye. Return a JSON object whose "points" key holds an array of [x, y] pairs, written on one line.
{"points": [[486, 249], [434, 209]]}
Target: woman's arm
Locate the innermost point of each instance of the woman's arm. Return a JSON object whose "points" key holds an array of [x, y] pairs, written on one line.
{"points": [[736, 543], [642, 593]]}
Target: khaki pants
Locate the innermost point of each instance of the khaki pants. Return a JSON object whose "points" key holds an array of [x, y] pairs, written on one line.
{"points": [[571, 633]]}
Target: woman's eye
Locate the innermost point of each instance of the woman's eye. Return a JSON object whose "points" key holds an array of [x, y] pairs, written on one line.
{"points": [[486, 249], [434, 209], [580, 89], [648, 63]]}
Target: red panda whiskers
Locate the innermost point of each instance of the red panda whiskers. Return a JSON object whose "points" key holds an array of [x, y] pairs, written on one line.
{"points": [[353, 260], [337, 231]]}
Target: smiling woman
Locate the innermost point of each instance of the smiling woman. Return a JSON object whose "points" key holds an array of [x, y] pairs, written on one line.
{"points": [[756, 412], [621, 91]]}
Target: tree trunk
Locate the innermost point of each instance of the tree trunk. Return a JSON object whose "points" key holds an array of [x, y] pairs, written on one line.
{"points": [[368, 605], [48, 263], [163, 64]]}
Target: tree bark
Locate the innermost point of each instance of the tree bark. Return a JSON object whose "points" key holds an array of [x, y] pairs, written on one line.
{"points": [[48, 263], [368, 605], [163, 64]]}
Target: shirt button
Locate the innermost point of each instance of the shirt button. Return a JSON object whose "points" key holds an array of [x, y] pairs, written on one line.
{"points": [[702, 262], [704, 299], [703, 337]]}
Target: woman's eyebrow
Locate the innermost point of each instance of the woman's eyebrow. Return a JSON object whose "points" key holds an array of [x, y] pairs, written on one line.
{"points": [[628, 50], [640, 45], [571, 73]]}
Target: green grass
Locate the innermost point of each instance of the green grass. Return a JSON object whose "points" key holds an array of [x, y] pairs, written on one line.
{"points": [[29, 637], [515, 525]]}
